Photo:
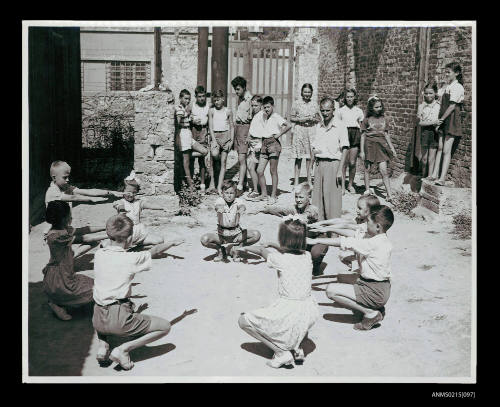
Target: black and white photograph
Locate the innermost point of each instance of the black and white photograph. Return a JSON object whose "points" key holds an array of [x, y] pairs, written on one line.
{"points": [[249, 201]]}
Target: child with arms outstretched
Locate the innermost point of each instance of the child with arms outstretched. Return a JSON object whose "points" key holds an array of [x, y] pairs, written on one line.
{"points": [[229, 232], [309, 214], [375, 145], [114, 315], [371, 291], [131, 206], [65, 288], [284, 324]]}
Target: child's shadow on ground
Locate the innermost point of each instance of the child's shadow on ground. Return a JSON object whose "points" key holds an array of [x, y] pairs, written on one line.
{"points": [[148, 352], [342, 318], [259, 349]]}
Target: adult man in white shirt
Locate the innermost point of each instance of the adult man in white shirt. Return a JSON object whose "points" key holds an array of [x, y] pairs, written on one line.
{"points": [[330, 146]]}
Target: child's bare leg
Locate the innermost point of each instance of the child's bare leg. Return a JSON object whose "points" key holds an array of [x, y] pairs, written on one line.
{"points": [[201, 166], [262, 178], [344, 295], [298, 165], [308, 171], [250, 330], [242, 159], [423, 162], [447, 145], [273, 166], [368, 167], [159, 328], [253, 176], [103, 349], [210, 166], [353, 156], [437, 162], [431, 160], [222, 174], [382, 167], [186, 162], [152, 240]]}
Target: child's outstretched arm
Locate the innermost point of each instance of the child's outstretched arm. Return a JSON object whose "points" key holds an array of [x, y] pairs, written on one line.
{"points": [[362, 146], [88, 229], [81, 198], [151, 205], [97, 192], [160, 248], [448, 111], [333, 221], [259, 250], [324, 240]]}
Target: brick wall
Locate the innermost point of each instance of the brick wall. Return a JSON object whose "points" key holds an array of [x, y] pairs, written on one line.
{"points": [[385, 63]]}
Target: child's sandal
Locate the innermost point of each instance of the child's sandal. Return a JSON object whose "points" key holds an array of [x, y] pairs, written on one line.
{"points": [[299, 356], [286, 358], [368, 323]]}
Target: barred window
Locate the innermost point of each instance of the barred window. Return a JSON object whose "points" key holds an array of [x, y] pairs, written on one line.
{"points": [[125, 75]]}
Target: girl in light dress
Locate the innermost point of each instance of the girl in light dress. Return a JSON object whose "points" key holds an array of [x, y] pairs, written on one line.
{"points": [[304, 116], [284, 324], [63, 287]]}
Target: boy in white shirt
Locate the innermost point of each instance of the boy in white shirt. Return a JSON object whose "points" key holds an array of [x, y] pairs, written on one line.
{"points": [[229, 232], [273, 127], [114, 315], [371, 292]]}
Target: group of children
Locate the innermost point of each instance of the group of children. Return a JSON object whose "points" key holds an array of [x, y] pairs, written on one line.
{"points": [[297, 257], [301, 246]]}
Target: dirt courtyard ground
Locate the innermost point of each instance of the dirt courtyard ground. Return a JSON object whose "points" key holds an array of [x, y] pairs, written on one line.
{"points": [[426, 331]]}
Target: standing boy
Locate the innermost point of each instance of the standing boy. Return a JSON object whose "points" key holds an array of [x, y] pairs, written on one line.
{"points": [[184, 137], [242, 120], [273, 127], [199, 130]]}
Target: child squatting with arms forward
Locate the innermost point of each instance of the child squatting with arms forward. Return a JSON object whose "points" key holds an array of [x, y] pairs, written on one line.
{"points": [[229, 232], [114, 315], [284, 324], [371, 291]]}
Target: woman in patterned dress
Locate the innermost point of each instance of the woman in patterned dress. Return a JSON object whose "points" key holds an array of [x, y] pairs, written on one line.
{"points": [[304, 116]]}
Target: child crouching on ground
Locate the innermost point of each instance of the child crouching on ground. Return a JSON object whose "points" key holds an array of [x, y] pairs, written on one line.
{"points": [[131, 206], [229, 233], [114, 270], [349, 227], [285, 323], [63, 287], [309, 214], [371, 292]]}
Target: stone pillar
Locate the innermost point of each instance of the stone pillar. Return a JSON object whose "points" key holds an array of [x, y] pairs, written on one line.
{"points": [[154, 142], [202, 56], [220, 50]]}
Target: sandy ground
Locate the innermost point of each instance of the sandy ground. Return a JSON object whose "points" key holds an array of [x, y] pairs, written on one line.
{"points": [[426, 331]]}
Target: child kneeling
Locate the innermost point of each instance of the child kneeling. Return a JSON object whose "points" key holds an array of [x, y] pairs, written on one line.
{"points": [[229, 233], [114, 315], [371, 292]]}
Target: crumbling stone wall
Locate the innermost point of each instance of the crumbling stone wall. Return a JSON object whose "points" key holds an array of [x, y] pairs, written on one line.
{"points": [[385, 62], [154, 142]]}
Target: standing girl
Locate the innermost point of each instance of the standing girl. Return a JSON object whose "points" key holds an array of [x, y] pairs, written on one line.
{"points": [[428, 115], [352, 116], [284, 324], [450, 120], [376, 145], [305, 115], [65, 288]]}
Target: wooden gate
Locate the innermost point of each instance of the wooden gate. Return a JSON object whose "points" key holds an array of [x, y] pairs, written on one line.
{"points": [[268, 68]]}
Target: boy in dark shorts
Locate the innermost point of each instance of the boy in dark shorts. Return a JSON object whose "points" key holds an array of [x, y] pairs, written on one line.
{"points": [[229, 232], [371, 292], [114, 315], [273, 127]]}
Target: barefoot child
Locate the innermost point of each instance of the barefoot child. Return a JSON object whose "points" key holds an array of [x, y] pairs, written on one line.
{"points": [[229, 233], [273, 127], [349, 227], [254, 146], [284, 324], [114, 270], [199, 130], [131, 206], [220, 124], [184, 137], [450, 119], [428, 116], [65, 288], [376, 145], [309, 214], [371, 292], [352, 116]]}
